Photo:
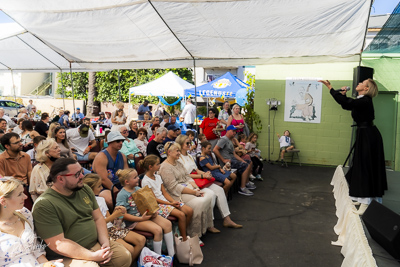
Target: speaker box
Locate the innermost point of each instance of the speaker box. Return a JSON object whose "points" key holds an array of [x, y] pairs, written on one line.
{"points": [[360, 74], [383, 225]]}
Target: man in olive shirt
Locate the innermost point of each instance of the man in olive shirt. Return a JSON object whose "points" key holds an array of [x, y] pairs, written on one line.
{"points": [[68, 219]]}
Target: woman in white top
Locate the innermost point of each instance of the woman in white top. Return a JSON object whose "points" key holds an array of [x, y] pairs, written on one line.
{"points": [[219, 193], [18, 241], [47, 152], [141, 140]]}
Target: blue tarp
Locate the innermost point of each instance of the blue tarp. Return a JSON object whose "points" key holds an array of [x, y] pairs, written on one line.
{"points": [[226, 85]]}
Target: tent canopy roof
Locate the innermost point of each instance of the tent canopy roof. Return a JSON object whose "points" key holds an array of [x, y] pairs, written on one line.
{"points": [[129, 34], [168, 85]]}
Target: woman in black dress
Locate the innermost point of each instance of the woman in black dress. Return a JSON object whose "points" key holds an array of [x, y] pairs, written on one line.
{"points": [[367, 175]]}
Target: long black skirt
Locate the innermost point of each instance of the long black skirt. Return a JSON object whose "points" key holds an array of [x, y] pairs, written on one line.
{"points": [[367, 174]]}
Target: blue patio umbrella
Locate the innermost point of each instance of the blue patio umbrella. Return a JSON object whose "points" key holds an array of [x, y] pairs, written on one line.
{"points": [[225, 86]]}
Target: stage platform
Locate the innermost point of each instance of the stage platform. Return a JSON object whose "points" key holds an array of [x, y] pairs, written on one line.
{"points": [[288, 222]]}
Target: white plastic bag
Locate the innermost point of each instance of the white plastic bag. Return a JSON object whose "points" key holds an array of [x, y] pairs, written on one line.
{"points": [[149, 258]]}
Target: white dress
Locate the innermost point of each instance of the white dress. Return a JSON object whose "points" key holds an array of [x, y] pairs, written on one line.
{"points": [[118, 119], [21, 251]]}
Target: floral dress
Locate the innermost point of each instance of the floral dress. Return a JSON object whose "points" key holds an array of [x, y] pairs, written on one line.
{"points": [[24, 250]]}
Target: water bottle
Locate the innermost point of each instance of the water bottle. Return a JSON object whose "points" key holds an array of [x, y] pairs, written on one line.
{"points": [[98, 129]]}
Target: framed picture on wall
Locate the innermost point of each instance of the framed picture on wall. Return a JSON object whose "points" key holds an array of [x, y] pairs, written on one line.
{"points": [[303, 98]]}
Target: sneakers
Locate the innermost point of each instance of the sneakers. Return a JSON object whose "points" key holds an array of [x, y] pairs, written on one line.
{"points": [[245, 192], [252, 177], [251, 185], [282, 163], [258, 177]]}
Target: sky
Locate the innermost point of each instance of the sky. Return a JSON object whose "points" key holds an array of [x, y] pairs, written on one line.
{"points": [[379, 7]]}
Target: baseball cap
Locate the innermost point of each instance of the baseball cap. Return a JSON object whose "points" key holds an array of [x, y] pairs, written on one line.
{"points": [[146, 101], [101, 113], [172, 127], [84, 130], [114, 136], [78, 108], [231, 127]]}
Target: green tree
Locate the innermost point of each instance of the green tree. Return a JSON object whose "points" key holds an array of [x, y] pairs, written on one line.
{"points": [[107, 84], [251, 117]]}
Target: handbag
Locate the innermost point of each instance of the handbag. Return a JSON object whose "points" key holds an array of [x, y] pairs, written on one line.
{"points": [[203, 182], [189, 251], [145, 201]]}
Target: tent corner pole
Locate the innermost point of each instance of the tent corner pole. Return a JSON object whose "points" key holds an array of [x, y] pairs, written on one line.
{"points": [[73, 94]]}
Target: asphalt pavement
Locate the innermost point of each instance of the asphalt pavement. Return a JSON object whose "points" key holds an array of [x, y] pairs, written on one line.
{"points": [[288, 222]]}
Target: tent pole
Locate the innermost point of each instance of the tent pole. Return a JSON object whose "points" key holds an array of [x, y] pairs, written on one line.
{"points": [[195, 95], [119, 86], [63, 92], [73, 95], [12, 78]]}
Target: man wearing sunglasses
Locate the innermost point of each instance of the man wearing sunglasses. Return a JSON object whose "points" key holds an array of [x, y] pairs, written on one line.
{"points": [[68, 218]]}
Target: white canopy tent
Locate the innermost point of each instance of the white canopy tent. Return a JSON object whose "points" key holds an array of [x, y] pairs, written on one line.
{"points": [[129, 34], [168, 85]]}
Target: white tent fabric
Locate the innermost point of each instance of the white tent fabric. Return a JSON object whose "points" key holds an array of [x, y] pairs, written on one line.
{"points": [[128, 34], [168, 85]]}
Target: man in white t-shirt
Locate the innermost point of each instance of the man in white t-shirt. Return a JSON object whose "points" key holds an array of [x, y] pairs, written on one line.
{"points": [[189, 114], [82, 140]]}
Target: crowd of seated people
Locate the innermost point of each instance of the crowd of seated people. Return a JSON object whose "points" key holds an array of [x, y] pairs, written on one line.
{"points": [[61, 165]]}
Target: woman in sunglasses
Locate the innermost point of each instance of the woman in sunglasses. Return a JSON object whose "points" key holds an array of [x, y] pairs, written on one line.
{"points": [[47, 152], [141, 141]]}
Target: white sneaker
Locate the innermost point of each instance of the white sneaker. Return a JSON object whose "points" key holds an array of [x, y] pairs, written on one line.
{"points": [[258, 177], [252, 177], [245, 192]]}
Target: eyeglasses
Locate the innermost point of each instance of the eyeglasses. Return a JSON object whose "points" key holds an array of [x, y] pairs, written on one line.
{"points": [[16, 143], [141, 133], [124, 131], [77, 175]]}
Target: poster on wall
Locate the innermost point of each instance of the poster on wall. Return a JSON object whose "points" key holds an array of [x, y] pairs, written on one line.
{"points": [[303, 98]]}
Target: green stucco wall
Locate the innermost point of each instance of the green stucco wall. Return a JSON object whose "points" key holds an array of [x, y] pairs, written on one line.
{"points": [[325, 143], [386, 74]]}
